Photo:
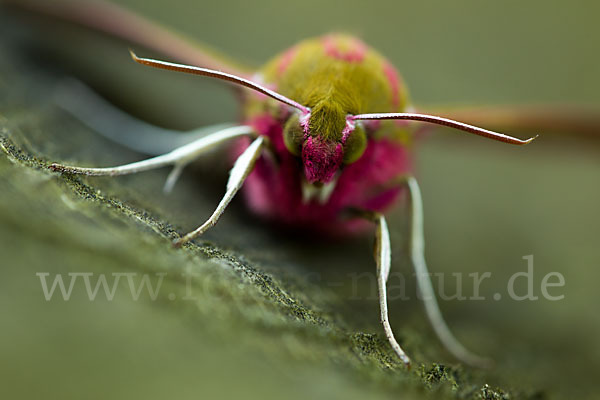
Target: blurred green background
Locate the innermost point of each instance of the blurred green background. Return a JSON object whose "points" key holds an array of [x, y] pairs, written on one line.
{"points": [[277, 315]]}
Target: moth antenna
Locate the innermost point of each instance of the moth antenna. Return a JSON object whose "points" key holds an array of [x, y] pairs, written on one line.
{"points": [[189, 69], [445, 122]]}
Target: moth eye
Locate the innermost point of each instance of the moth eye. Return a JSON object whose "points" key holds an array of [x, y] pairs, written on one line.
{"points": [[355, 145], [293, 135]]}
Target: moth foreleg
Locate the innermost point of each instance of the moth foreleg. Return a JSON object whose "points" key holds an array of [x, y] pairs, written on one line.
{"points": [[383, 260], [179, 157], [238, 174]]}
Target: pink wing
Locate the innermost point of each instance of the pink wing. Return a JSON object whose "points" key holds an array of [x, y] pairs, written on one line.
{"points": [[120, 22]]}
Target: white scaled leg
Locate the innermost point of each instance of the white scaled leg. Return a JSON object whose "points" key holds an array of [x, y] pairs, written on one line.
{"points": [[383, 258], [179, 157], [109, 121], [417, 254], [241, 169]]}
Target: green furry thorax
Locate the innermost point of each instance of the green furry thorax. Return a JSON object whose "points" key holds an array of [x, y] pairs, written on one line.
{"points": [[333, 87]]}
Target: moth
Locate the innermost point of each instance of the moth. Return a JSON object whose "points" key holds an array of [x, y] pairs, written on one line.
{"points": [[324, 143]]}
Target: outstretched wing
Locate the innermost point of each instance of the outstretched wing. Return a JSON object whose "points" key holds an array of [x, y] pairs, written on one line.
{"points": [[120, 22]]}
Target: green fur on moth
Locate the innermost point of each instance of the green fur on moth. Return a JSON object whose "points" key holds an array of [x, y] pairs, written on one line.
{"points": [[334, 87]]}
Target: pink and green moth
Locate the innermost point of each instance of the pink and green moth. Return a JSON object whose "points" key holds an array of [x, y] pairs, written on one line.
{"points": [[325, 141]]}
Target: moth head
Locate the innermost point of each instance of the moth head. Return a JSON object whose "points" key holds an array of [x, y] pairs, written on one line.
{"points": [[323, 146]]}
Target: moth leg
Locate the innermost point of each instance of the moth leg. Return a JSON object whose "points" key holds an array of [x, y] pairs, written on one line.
{"points": [[417, 255], [172, 178], [383, 259], [179, 157], [102, 117], [241, 169]]}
